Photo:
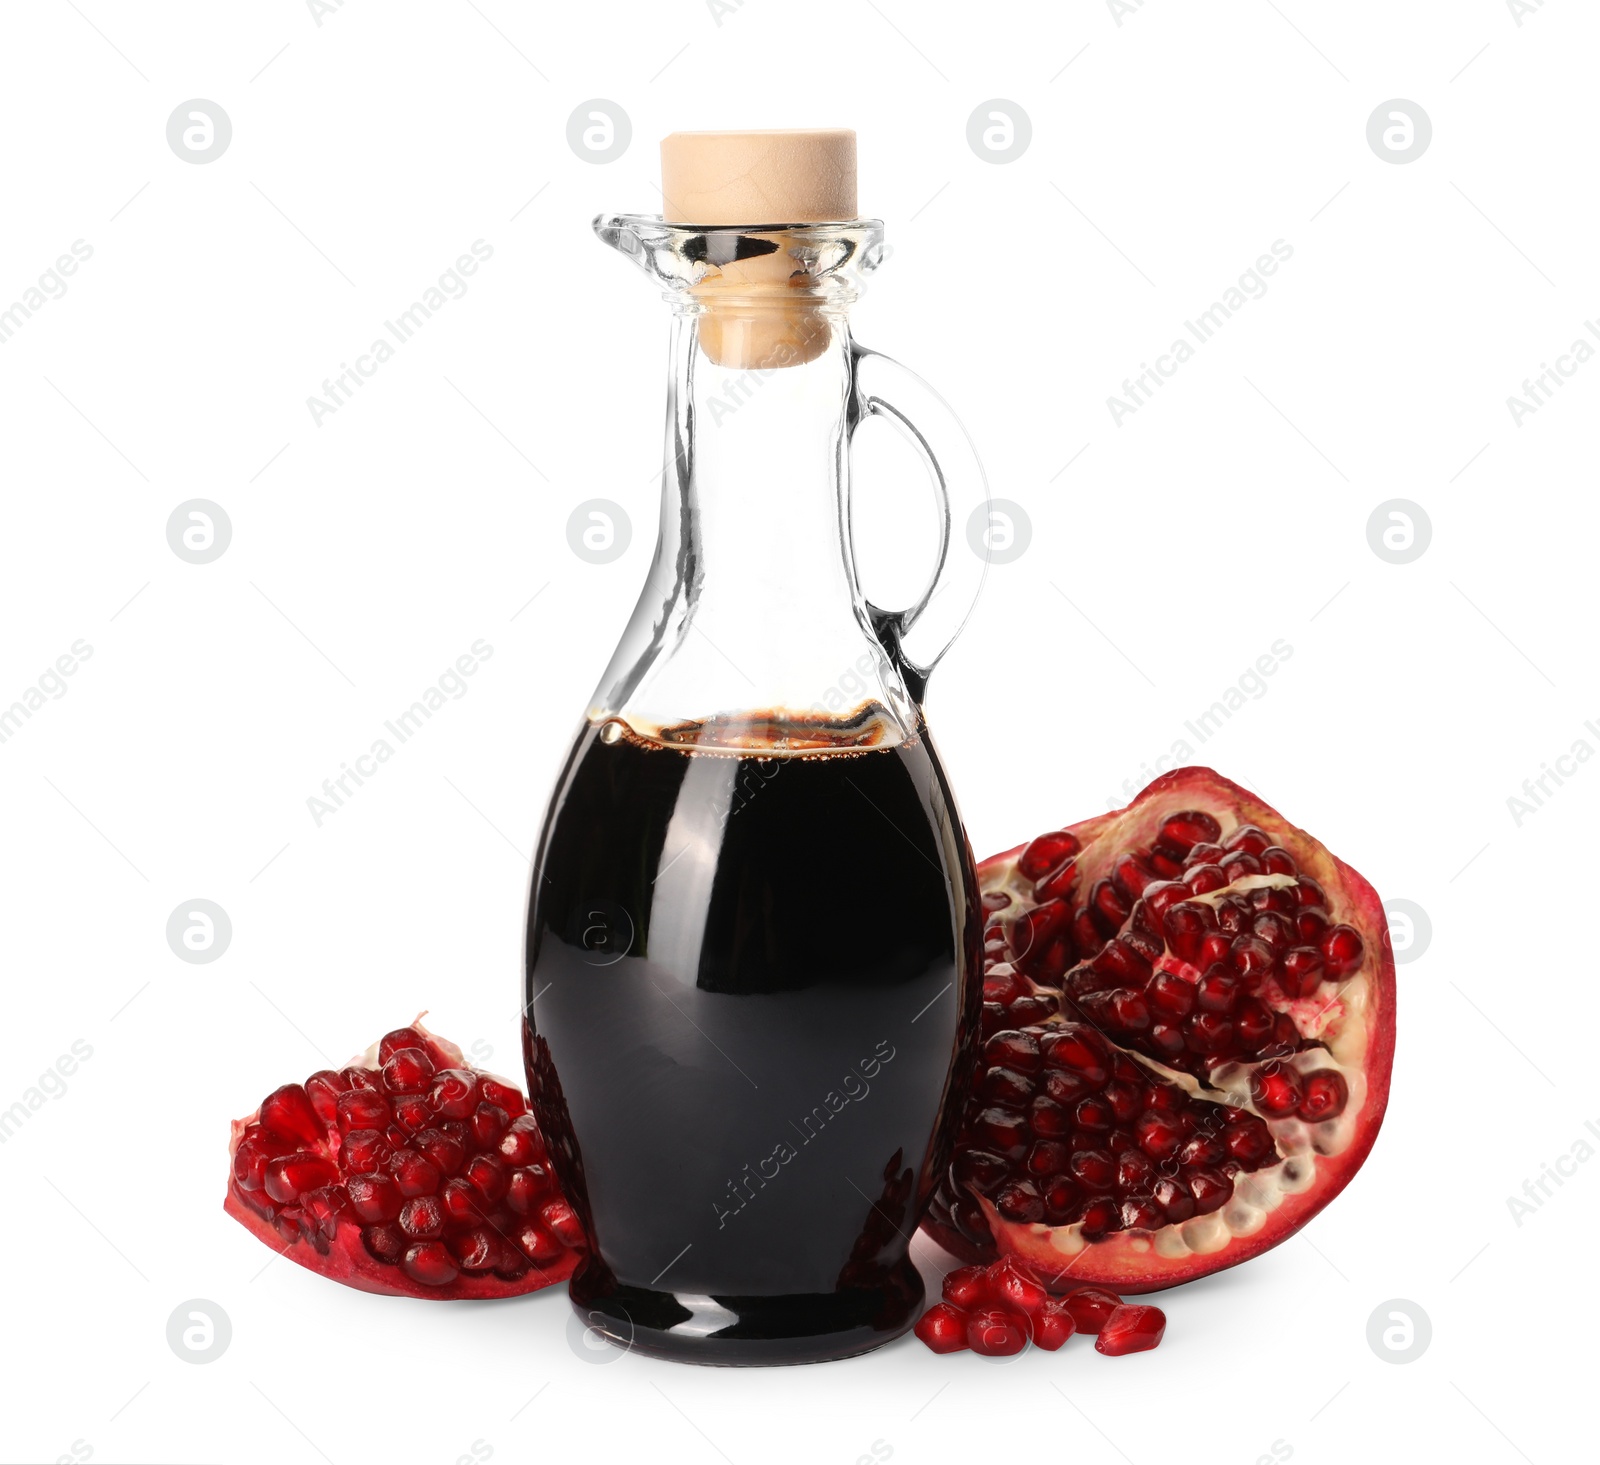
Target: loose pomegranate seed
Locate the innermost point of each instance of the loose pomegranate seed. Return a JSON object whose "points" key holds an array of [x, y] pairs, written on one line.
{"points": [[1089, 1307], [967, 1287], [1052, 1326], [1131, 1330], [943, 1328], [1326, 1094], [1013, 1284], [995, 1332]]}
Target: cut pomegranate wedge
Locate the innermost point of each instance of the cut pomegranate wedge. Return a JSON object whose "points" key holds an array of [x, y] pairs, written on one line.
{"points": [[1188, 1029], [407, 1172]]}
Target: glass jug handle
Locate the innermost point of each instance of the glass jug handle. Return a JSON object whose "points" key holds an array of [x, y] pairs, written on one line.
{"points": [[918, 636]]}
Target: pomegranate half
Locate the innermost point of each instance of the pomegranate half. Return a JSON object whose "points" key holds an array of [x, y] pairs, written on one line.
{"points": [[1188, 1029], [407, 1172]]}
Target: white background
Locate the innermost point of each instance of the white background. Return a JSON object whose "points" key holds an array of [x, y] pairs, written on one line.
{"points": [[1168, 151]]}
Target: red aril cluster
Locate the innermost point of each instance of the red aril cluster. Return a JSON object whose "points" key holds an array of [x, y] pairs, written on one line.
{"points": [[1188, 1026], [406, 1172], [1000, 1308]]}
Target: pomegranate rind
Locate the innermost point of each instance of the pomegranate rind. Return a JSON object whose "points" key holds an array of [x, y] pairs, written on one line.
{"points": [[347, 1260], [1126, 1261]]}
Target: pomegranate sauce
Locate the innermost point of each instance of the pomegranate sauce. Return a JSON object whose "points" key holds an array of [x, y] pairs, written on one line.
{"points": [[753, 968]]}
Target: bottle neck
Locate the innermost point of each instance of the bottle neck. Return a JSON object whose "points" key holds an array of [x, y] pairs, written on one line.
{"points": [[752, 604]]}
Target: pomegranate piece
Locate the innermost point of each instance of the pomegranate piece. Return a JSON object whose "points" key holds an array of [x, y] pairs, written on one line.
{"points": [[1131, 1330], [407, 1173], [1222, 983]]}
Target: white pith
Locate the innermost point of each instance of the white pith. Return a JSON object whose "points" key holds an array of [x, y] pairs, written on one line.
{"points": [[1335, 1014]]}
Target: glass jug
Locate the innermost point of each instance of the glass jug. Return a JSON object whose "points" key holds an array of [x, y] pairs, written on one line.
{"points": [[753, 964]]}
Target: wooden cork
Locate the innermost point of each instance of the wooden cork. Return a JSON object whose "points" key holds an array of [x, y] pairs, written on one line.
{"points": [[757, 312]]}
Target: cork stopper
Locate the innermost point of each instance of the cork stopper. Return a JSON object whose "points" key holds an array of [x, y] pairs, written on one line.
{"points": [[757, 313], [801, 176]]}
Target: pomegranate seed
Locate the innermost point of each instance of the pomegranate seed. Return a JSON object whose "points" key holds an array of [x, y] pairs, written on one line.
{"points": [[460, 1201], [1302, 971], [527, 1185], [1082, 1050], [1015, 1050], [1020, 1201], [563, 1222], [1248, 1140], [1186, 926], [1311, 924], [1343, 950], [1248, 837], [1089, 1307], [1060, 1195], [1134, 1172], [1001, 1130], [1217, 946], [430, 1264], [362, 1109], [1162, 896], [1130, 875], [1252, 1023], [374, 1198], [1086, 934], [1208, 1032], [994, 1331], [1273, 928], [392, 1043], [387, 1243], [408, 1071], [1159, 1135], [967, 1287], [323, 1089], [422, 1219], [285, 1179], [522, 1143], [1191, 827], [1167, 1040], [1100, 1214], [1210, 1189], [1131, 1330], [978, 1170], [1276, 860], [1218, 989], [1130, 1013], [1206, 853], [412, 1113], [1059, 883], [1203, 1149], [1176, 1204], [539, 1246], [287, 1113], [1031, 1009], [487, 1175], [1308, 892], [1046, 1157], [943, 1328], [1251, 956], [1014, 1284], [1052, 1326], [250, 1159], [1048, 1119], [442, 1149], [1239, 863], [1046, 852], [1203, 879], [1234, 915], [1276, 1089], [1141, 1215], [1171, 994], [1095, 1170], [362, 1078], [365, 1151], [1002, 983], [415, 1174], [1165, 863], [1326, 1094], [454, 1094], [1093, 1112], [488, 1123], [476, 1250]]}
